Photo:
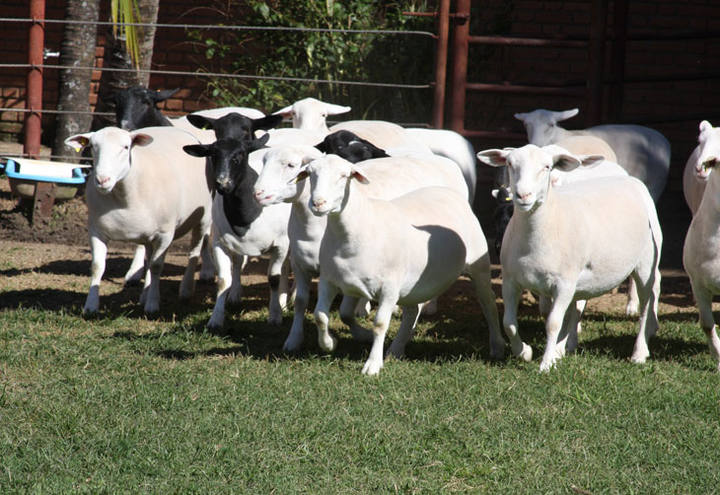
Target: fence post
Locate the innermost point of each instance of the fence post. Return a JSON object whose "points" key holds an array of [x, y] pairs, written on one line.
{"points": [[441, 56], [596, 61], [460, 60], [44, 196]]}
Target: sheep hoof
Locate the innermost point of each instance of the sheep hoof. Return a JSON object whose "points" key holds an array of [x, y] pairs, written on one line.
{"points": [[292, 346], [631, 310], [639, 358], [547, 365], [371, 368], [275, 320], [526, 353], [327, 342]]}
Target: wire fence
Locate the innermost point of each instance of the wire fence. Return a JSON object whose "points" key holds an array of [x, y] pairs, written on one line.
{"points": [[203, 73]]}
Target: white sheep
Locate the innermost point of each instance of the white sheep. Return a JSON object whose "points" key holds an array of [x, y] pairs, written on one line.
{"points": [[642, 151], [404, 251], [241, 227], [701, 256], [311, 114], [392, 177], [696, 174], [130, 169], [575, 242]]}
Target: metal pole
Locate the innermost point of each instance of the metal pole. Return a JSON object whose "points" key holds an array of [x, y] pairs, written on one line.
{"points": [[617, 90], [33, 88], [44, 196], [438, 118], [460, 61], [596, 61]]}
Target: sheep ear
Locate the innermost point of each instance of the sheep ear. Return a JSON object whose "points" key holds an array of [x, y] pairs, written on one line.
{"points": [[332, 109], [141, 139], [258, 143], [494, 157], [266, 123], [304, 174], [198, 150], [359, 176], [286, 113], [566, 162], [521, 116], [591, 160], [705, 126], [375, 152], [322, 146], [494, 193], [78, 141], [163, 94], [560, 116], [200, 121]]}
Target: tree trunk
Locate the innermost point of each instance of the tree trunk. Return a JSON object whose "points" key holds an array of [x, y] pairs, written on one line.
{"points": [[117, 57], [77, 50]]}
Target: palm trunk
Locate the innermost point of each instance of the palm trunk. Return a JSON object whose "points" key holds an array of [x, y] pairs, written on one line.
{"points": [[77, 50], [117, 57]]}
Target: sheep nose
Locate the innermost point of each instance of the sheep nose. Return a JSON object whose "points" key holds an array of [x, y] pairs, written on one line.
{"points": [[102, 180], [523, 196], [317, 203], [260, 195]]}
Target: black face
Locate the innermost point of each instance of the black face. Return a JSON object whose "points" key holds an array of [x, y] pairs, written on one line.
{"points": [[234, 125], [229, 164], [135, 108], [350, 146]]}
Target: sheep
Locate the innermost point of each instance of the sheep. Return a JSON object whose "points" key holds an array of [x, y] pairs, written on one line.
{"points": [[575, 242], [241, 227], [403, 251], [696, 174], [136, 107], [642, 151], [350, 146], [392, 177], [124, 205], [700, 251], [579, 146], [310, 114]]}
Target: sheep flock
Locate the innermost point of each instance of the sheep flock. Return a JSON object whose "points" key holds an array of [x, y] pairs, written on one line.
{"points": [[381, 215]]}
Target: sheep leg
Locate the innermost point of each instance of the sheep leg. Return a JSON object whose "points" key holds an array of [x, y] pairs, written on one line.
{"points": [[363, 307], [302, 296], [157, 260], [236, 289], [648, 285], [207, 265], [277, 259], [347, 315], [511, 296], [707, 321], [187, 285], [409, 319], [380, 326], [429, 308], [554, 325], [480, 275], [224, 267], [284, 290], [98, 248], [326, 294], [567, 340], [633, 302], [137, 266], [574, 313]]}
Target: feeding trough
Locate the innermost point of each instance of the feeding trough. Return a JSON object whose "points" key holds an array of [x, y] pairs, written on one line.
{"points": [[24, 174]]}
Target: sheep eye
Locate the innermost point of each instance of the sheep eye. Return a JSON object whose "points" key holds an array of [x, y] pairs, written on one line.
{"points": [[291, 165]]}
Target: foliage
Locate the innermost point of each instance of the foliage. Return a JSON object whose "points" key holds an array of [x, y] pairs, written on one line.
{"points": [[123, 12], [322, 56]]}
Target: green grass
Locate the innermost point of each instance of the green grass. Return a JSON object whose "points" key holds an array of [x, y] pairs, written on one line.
{"points": [[125, 404]]}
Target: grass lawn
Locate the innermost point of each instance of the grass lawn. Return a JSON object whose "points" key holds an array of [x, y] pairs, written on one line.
{"points": [[122, 403]]}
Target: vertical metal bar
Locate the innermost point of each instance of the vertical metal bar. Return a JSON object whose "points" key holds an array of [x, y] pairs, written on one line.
{"points": [[459, 69], [441, 55], [44, 196], [34, 83], [596, 61], [617, 90]]}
